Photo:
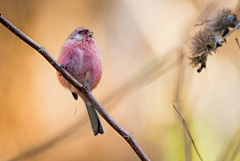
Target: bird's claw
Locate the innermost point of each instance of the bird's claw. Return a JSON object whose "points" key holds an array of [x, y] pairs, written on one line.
{"points": [[86, 83], [86, 87], [63, 66]]}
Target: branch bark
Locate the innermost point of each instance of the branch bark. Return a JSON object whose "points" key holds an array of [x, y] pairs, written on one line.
{"points": [[185, 125], [127, 136]]}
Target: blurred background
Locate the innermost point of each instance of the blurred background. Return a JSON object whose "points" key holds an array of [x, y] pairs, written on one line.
{"points": [[145, 47]]}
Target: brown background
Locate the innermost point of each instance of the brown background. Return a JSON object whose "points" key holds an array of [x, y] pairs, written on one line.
{"points": [[143, 76]]}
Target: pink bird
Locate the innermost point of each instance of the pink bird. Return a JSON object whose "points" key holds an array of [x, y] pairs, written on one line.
{"points": [[81, 57]]}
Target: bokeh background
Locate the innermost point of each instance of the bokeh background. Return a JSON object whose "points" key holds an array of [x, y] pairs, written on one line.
{"points": [[145, 47]]}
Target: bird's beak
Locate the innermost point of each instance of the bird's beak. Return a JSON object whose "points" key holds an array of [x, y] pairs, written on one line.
{"points": [[90, 33]]}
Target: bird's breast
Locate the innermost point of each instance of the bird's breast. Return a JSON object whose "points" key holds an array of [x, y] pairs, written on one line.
{"points": [[83, 61]]}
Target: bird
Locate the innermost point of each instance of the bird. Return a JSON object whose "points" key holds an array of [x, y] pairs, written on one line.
{"points": [[81, 57]]}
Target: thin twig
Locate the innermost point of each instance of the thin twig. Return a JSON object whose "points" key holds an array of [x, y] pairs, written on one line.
{"points": [[185, 125], [178, 99], [127, 136], [238, 43], [235, 28]]}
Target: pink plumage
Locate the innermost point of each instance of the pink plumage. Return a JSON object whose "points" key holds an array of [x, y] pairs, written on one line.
{"points": [[80, 55]]}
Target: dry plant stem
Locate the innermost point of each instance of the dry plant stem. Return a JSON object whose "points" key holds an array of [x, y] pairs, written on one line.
{"points": [[185, 125], [228, 34], [238, 43], [127, 136], [235, 28]]}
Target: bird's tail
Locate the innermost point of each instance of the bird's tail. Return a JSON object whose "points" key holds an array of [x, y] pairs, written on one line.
{"points": [[94, 119]]}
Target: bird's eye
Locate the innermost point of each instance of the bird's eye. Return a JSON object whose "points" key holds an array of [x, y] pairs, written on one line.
{"points": [[80, 32]]}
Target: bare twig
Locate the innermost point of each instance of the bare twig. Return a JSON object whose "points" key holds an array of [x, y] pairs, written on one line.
{"points": [[127, 136], [185, 125], [238, 43], [235, 28], [178, 99]]}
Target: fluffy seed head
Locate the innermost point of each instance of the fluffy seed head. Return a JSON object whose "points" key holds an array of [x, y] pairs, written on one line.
{"points": [[202, 44], [213, 36], [203, 41], [221, 21]]}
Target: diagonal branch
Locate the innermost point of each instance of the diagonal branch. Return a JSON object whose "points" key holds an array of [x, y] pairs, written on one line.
{"points": [[185, 125], [238, 43], [127, 136], [235, 28]]}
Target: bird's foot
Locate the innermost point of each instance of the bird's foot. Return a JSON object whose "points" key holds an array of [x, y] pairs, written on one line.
{"points": [[86, 87], [62, 66]]}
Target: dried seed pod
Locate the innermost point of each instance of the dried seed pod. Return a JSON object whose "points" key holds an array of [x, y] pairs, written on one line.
{"points": [[203, 43], [214, 35], [204, 40], [220, 22]]}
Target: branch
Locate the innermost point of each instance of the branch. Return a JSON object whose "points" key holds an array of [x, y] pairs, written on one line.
{"points": [[185, 125], [127, 136], [238, 43], [235, 28]]}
